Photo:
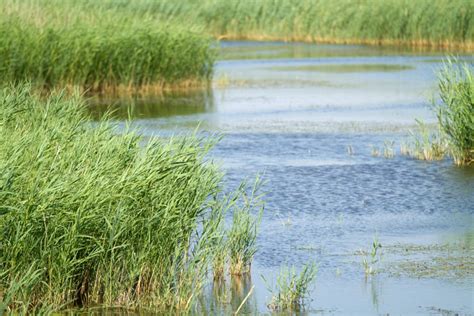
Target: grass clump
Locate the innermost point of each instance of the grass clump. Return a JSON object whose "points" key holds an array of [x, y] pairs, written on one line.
{"points": [[90, 216], [292, 288], [242, 236], [372, 258], [99, 49], [426, 144], [455, 114], [455, 111]]}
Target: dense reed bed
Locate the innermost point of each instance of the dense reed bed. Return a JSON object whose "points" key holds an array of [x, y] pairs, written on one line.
{"points": [[90, 216], [447, 23], [55, 44]]}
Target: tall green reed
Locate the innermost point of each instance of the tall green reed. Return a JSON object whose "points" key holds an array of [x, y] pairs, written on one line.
{"points": [[242, 236], [455, 111], [422, 22], [98, 215], [99, 49]]}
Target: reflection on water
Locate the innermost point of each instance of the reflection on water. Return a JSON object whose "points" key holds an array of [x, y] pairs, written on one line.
{"points": [[273, 50], [225, 296], [345, 68], [168, 104], [323, 203]]}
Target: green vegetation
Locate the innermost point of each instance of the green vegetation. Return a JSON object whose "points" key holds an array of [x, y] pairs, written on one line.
{"points": [[455, 112], [451, 260], [292, 288], [90, 216], [426, 144], [372, 258], [103, 49], [422, 22], [242, 236]]}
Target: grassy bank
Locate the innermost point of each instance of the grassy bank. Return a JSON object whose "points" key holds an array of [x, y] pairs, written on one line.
{"points": [[442, 23], [115, 46], [90, 217], [55, 44]]}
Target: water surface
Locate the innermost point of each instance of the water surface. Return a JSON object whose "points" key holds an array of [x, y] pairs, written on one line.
{"points": [[290, 111]]}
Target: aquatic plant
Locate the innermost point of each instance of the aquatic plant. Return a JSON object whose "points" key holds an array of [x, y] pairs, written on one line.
{"points": [[455, 111], [426, 144], [350, 150], [374, 151], [388, 151], [372, 258], [242, 236], [100, 50], [292, 288], [96, 215]]}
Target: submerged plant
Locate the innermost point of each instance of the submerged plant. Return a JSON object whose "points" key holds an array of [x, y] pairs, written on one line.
{"points": [[455, 112], [242, 236], [292, 288], [372, 258]]}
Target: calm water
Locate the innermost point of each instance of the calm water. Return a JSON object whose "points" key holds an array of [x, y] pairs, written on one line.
{"points": [[290, 111]]}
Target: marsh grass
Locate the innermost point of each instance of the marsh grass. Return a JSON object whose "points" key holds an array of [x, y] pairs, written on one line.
{"points": [[99, 216], [99, 49], [372, 258], [292, 288], [242, 235], [374, 151], [426, 144], [446, 23], [455, 111], [388, 150]]}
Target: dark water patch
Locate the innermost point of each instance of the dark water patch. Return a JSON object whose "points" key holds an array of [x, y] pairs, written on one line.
{"points": [[159, 106]]}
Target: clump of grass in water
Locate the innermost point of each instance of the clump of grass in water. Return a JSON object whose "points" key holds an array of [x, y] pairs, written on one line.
{"points": [[375, 152], [388, 151], [426, 145], [105, 219], [242, 236], [372, 258], [292, 288], [455, 112]]}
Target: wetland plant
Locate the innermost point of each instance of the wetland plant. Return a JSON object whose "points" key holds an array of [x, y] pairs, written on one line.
{"points": [[99, 50], [375, 151], [292, 288], [421, 22], [350, 150], [97, 216], [455, 111], [371, 259], [426, 144], [242, 236], [388, 151]]}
